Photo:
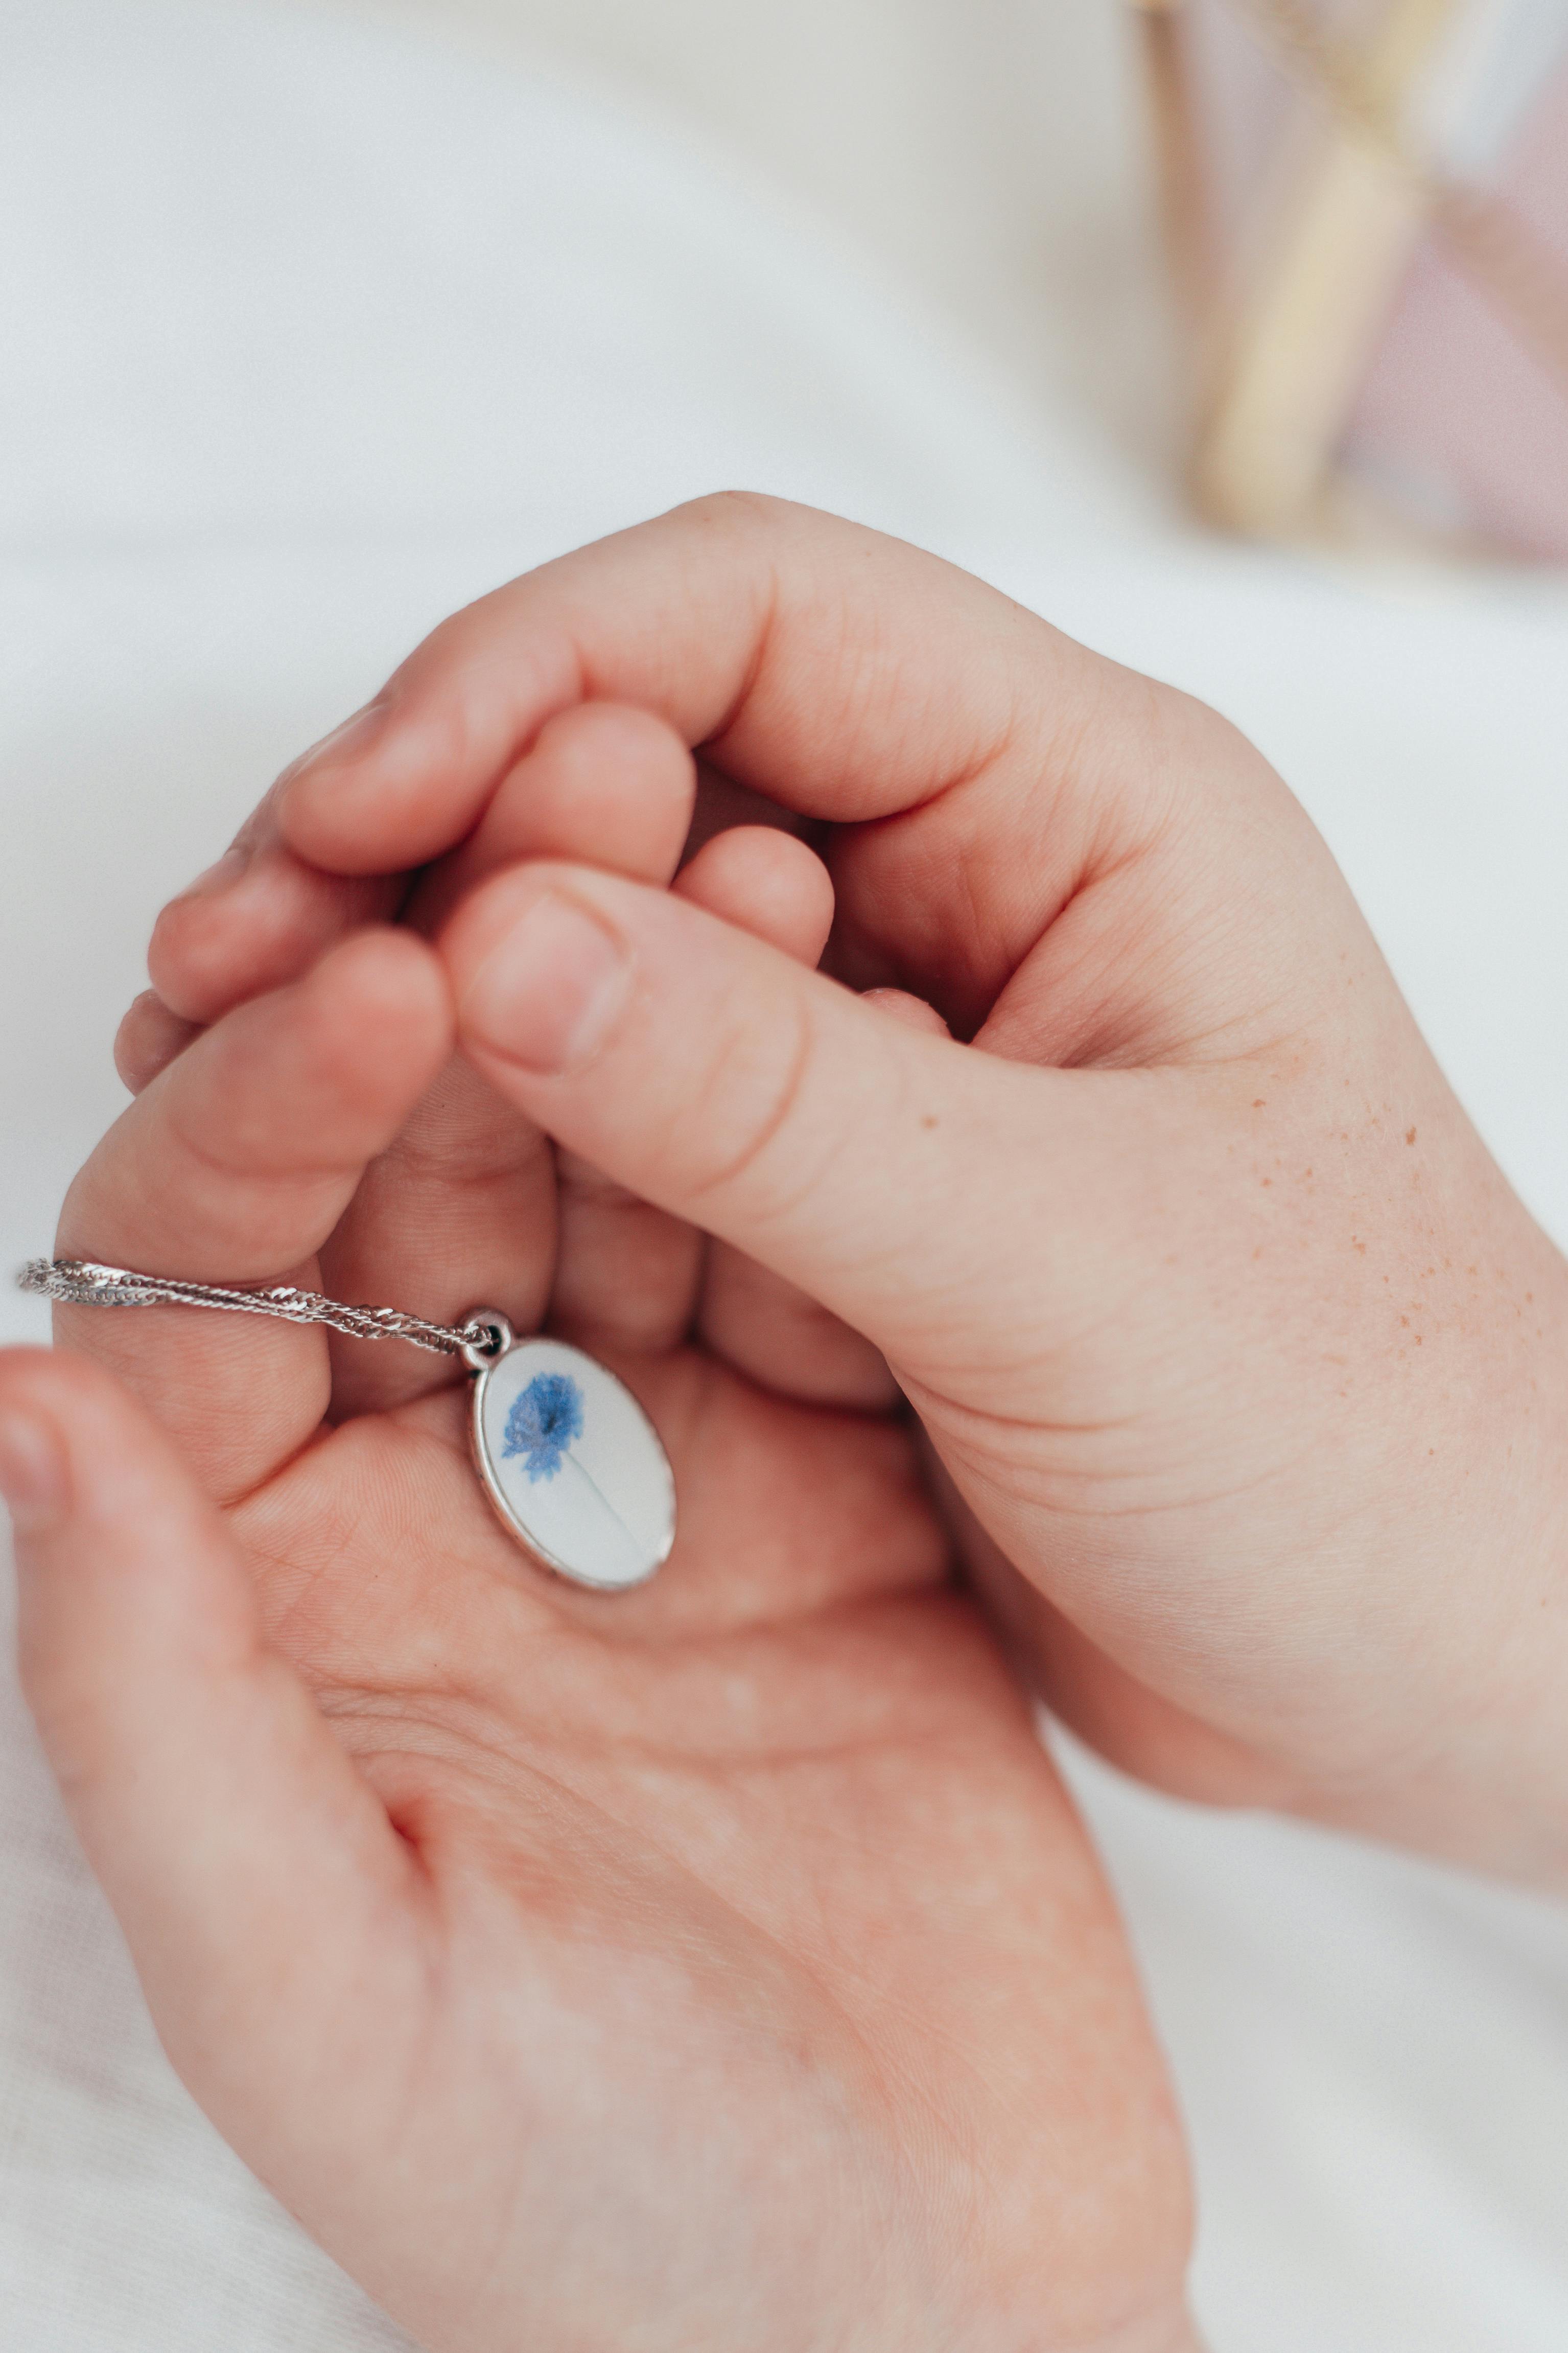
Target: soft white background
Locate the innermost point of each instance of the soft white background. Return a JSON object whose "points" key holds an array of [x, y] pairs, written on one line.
{"points": [[318, 321], [991, 151]]}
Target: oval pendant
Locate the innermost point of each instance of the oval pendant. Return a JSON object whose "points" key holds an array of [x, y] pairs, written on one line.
{"points": [[571, 1463]]}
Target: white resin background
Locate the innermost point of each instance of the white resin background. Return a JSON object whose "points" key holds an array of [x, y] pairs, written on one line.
{"points": [[315, 330]]}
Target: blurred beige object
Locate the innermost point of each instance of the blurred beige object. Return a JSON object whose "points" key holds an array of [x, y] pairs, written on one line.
{"points": [[1319, 210], [1298, 347]]}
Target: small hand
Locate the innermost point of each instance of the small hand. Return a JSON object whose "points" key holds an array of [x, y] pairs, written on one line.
{"points": [[1244, 1361], [716, 1964]]}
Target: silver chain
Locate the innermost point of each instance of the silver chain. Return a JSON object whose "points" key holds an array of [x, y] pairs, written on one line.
{"points": [[82, 1282]]}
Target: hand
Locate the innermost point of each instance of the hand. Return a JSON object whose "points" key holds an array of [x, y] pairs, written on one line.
{"points": [[716, 1964], [1246, 1365]]}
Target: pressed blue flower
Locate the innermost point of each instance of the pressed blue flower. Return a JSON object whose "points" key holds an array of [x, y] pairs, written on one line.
{"points": [[545, 1419]]}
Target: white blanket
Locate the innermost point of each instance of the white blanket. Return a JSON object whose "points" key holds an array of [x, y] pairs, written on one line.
{"points": [[310, 333]]}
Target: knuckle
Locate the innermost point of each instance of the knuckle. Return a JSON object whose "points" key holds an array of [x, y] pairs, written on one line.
{"points": [[741, 511], [759, 1114]]}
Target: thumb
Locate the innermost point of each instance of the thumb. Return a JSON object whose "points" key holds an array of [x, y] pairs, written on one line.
{"points": [[268, 1903], [875, 1165]]}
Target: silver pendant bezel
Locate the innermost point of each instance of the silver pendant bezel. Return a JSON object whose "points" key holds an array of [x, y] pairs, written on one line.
{"points": [[484, 1364]]}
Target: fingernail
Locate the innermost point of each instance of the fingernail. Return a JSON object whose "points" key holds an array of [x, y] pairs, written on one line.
{"points": [[220, 876], [548, 992], [32, 1473], [355, 736]]}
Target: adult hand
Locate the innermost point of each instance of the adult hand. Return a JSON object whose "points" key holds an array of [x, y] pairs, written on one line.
{"points": [[1245, 1364], [718, 1964]]}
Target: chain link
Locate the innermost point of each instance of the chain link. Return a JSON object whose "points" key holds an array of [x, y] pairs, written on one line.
{"points": [[82, 1282]]}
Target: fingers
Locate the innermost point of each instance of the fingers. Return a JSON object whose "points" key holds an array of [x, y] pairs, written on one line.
{"points": [[269, 1907], [779, 1336], [912, 1011], [844, 675], [630, 1276], [457, 1211], [766, 882], [770, 884], [629, 1273], [462, 1210], [256, 921], [599, 778], [989, 772], [233, 1167], [870, 1164], [603, 782], [148, 1040], [755, 876], [1011, 813]]}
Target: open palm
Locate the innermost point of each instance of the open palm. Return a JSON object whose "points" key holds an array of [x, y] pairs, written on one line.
{"points": [[716, 1964]]}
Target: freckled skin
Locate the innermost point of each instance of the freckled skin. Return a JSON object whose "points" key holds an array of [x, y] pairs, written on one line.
{"points": [[1258, 1544], [719, 1963], [1261, 1541], [784, 1830]]}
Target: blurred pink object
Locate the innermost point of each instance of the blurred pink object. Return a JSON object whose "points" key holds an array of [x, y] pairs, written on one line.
{"points": [[1368, 205]]}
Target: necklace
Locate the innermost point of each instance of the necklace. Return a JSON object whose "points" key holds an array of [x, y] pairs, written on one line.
{"points": [[570, 1461]]}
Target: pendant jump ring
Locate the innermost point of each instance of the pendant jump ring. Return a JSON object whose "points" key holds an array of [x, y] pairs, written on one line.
{"points": [[495, 1340]]}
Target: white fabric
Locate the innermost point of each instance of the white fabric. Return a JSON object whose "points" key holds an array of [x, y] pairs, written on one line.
{"points": [[312, 332]]}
